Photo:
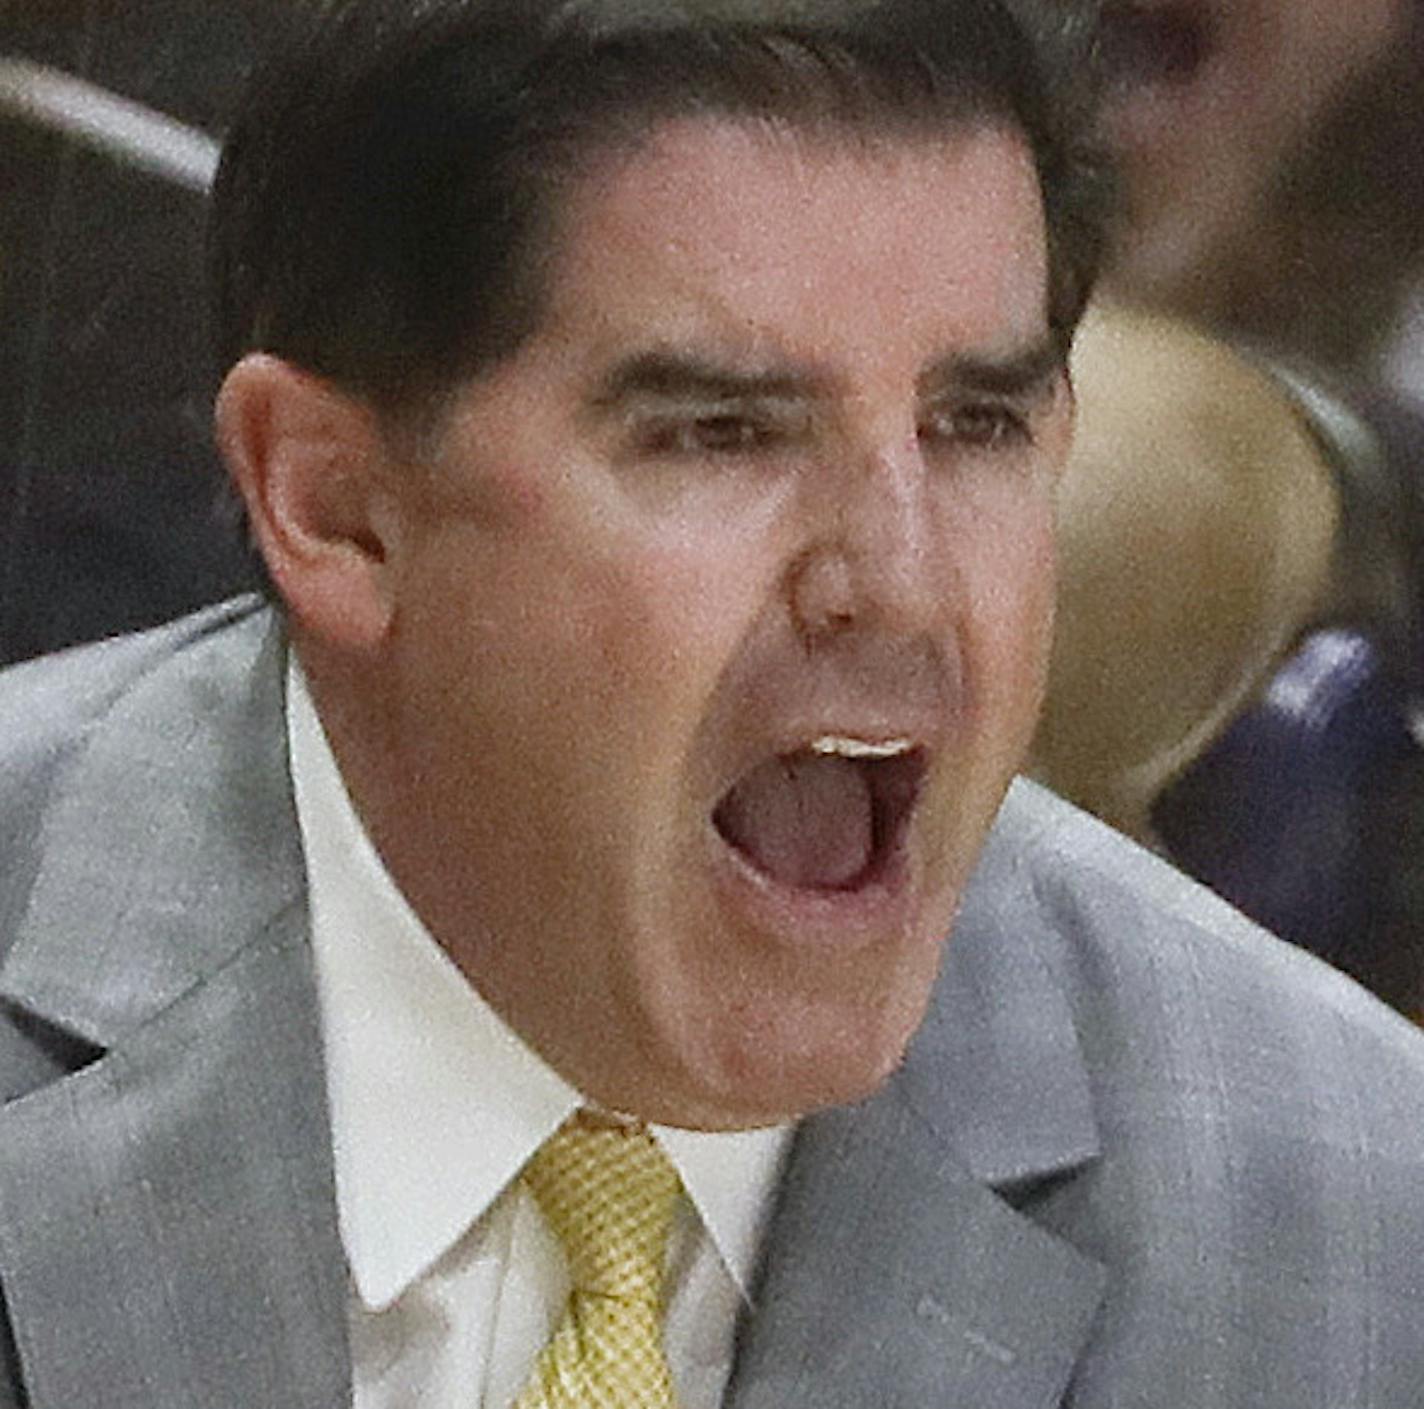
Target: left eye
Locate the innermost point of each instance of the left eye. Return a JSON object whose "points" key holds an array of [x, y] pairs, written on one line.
{"points": [[982, 425]]}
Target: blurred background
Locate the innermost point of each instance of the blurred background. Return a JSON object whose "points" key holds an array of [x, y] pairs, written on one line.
{"points": [[108, 482], [1239, 674]]}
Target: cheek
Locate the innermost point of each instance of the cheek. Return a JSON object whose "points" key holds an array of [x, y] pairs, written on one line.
{"points": [[563, 585], [671, 620], [683, 589], [1009, 588], [698, 604]]}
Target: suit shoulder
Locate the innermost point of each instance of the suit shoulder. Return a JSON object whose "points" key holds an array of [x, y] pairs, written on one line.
{"points": [[1259, 1175], [49, 702], [52, 708], [1150, 958]]}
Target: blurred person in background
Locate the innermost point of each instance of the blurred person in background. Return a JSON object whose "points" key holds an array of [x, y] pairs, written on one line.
{"points": [[1273, 167], [1239, 671]]}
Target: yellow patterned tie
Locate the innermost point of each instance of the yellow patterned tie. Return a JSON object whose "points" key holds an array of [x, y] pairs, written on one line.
{"points": [[608, 1193]]}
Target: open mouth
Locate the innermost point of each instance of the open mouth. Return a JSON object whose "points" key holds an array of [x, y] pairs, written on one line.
{"points": [[1156, 44], [828, 817]]}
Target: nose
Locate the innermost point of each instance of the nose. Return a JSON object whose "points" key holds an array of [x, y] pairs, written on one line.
{"points": [[871, 562]]}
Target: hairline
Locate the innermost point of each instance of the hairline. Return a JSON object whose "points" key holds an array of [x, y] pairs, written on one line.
{"points": [[417, 419]]}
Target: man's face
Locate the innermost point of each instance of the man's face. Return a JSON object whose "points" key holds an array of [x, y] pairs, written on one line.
{"points": [[721, 612], [1211, 96]]}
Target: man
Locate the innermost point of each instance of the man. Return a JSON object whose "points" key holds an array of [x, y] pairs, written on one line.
{"points": [[649, 417]]}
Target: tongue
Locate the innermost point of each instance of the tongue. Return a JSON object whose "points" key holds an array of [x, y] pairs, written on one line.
{"points": [[805, 821]]}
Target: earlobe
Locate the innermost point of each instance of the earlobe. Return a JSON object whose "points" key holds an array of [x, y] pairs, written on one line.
{"points": [[307, 459]]}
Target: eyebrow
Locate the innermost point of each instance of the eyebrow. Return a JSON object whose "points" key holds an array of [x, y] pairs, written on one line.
{"points": [[1027, 373], [669, 376]]}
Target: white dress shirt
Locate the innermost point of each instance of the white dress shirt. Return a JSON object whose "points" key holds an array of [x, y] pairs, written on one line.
{"points": [[456, 1281]]}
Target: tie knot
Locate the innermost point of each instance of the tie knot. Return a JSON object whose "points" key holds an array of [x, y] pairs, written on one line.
{"points": [[608, 1192]]}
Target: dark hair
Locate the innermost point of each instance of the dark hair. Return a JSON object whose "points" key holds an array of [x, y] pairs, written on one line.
{"points": [[390, 189]]}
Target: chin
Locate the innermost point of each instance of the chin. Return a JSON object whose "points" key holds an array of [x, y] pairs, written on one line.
{"points": [[745, 1004], [780, 1065]]}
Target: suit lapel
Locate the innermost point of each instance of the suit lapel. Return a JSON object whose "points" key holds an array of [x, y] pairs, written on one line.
{"points": [[167, 1234], [167, 1222], [895, 1279], [898, 1270]]}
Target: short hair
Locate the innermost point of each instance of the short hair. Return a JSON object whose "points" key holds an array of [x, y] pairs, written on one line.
{"points": [[389, 193]]}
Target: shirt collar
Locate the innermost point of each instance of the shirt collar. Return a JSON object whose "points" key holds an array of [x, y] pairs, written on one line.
{"points": [[435, 1103]]}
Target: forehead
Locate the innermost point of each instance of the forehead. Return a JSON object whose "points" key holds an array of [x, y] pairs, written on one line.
{"points": [[818, 242]]}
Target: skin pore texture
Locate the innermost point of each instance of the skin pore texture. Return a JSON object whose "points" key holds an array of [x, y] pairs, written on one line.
{"points": [[778, 463]]}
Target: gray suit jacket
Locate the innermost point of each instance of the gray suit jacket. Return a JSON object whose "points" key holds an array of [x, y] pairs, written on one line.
{"points": [[1139, 1155]]}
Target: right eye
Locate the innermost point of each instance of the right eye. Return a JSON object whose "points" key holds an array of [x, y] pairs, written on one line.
{"points": [[720, 433]]}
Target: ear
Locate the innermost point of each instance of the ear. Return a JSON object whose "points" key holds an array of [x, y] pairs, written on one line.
{"points": [[308, 460]]}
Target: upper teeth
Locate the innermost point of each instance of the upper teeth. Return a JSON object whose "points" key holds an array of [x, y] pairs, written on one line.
{"points": [[847, 747]]}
